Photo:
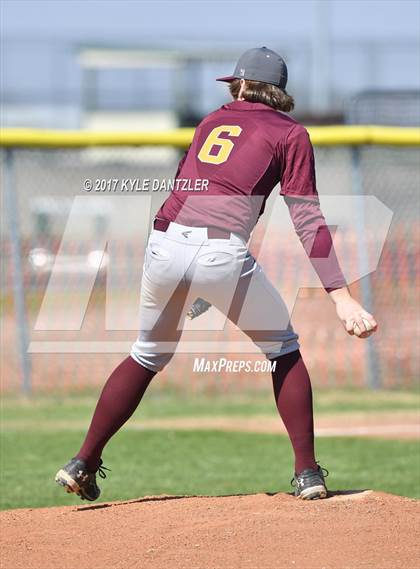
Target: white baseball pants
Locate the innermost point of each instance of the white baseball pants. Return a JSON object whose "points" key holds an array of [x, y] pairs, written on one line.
{"points": [[182, 264]]}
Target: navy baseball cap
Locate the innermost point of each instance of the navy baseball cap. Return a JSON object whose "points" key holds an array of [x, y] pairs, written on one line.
{"points": [[260, 64]]}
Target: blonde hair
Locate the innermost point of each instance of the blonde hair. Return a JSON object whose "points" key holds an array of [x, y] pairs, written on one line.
{"points": [[258, 92]]}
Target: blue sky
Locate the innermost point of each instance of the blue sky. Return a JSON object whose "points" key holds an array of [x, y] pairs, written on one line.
{"points": [[256, 20], [41, 38]]}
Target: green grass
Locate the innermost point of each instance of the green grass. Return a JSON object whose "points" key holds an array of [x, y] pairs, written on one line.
{"points": [[36, 441], [205, 462], [159, 405]]}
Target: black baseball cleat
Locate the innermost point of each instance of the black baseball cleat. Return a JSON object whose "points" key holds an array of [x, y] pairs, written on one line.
{"points": [[75, 477], [310, 484]]}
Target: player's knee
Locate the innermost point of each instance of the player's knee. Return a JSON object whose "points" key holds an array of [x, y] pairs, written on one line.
{"points": [[274, 346], [152, 361]]}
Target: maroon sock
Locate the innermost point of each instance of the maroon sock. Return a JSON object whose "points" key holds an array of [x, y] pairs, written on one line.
{"points": [[118, 401], [293, 393]]}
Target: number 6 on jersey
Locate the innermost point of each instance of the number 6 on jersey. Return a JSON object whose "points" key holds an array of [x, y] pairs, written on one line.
{"points": [[225, 145]]}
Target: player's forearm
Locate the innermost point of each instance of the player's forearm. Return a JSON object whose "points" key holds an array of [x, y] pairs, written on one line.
{"points": [[316, 239]]}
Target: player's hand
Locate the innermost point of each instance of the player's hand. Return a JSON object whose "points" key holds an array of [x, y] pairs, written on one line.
{"points": [[355, 319]]}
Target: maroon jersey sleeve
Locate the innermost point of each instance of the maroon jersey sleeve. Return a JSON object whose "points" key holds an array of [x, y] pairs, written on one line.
{"points": [[315, 236], [298, 175], [298, 185]]}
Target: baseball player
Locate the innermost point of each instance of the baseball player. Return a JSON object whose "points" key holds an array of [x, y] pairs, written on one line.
{"points": [[198, 250]]}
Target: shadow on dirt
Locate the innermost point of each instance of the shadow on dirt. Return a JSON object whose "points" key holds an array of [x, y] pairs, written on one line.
{"points": [[186, 497], [138, 501]]}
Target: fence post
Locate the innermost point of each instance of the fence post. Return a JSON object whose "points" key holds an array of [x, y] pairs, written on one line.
{"points": [[373, 378], [11, 207]]}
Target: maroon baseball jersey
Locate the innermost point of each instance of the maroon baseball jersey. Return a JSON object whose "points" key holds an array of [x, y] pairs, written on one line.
{"points": [[243, 149]]}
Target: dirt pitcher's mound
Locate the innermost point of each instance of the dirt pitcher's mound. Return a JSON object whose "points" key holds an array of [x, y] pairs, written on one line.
{"points": [[355, 530]]}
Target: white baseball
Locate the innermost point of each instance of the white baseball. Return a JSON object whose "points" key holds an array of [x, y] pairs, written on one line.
{"points": [[367, 324]]}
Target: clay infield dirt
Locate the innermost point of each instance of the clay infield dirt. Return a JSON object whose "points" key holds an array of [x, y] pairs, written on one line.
{"points": [[354, 530]]}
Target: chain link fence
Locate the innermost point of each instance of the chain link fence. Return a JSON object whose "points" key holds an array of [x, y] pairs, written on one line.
{"points": [[385, 107], [40, 188]]}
